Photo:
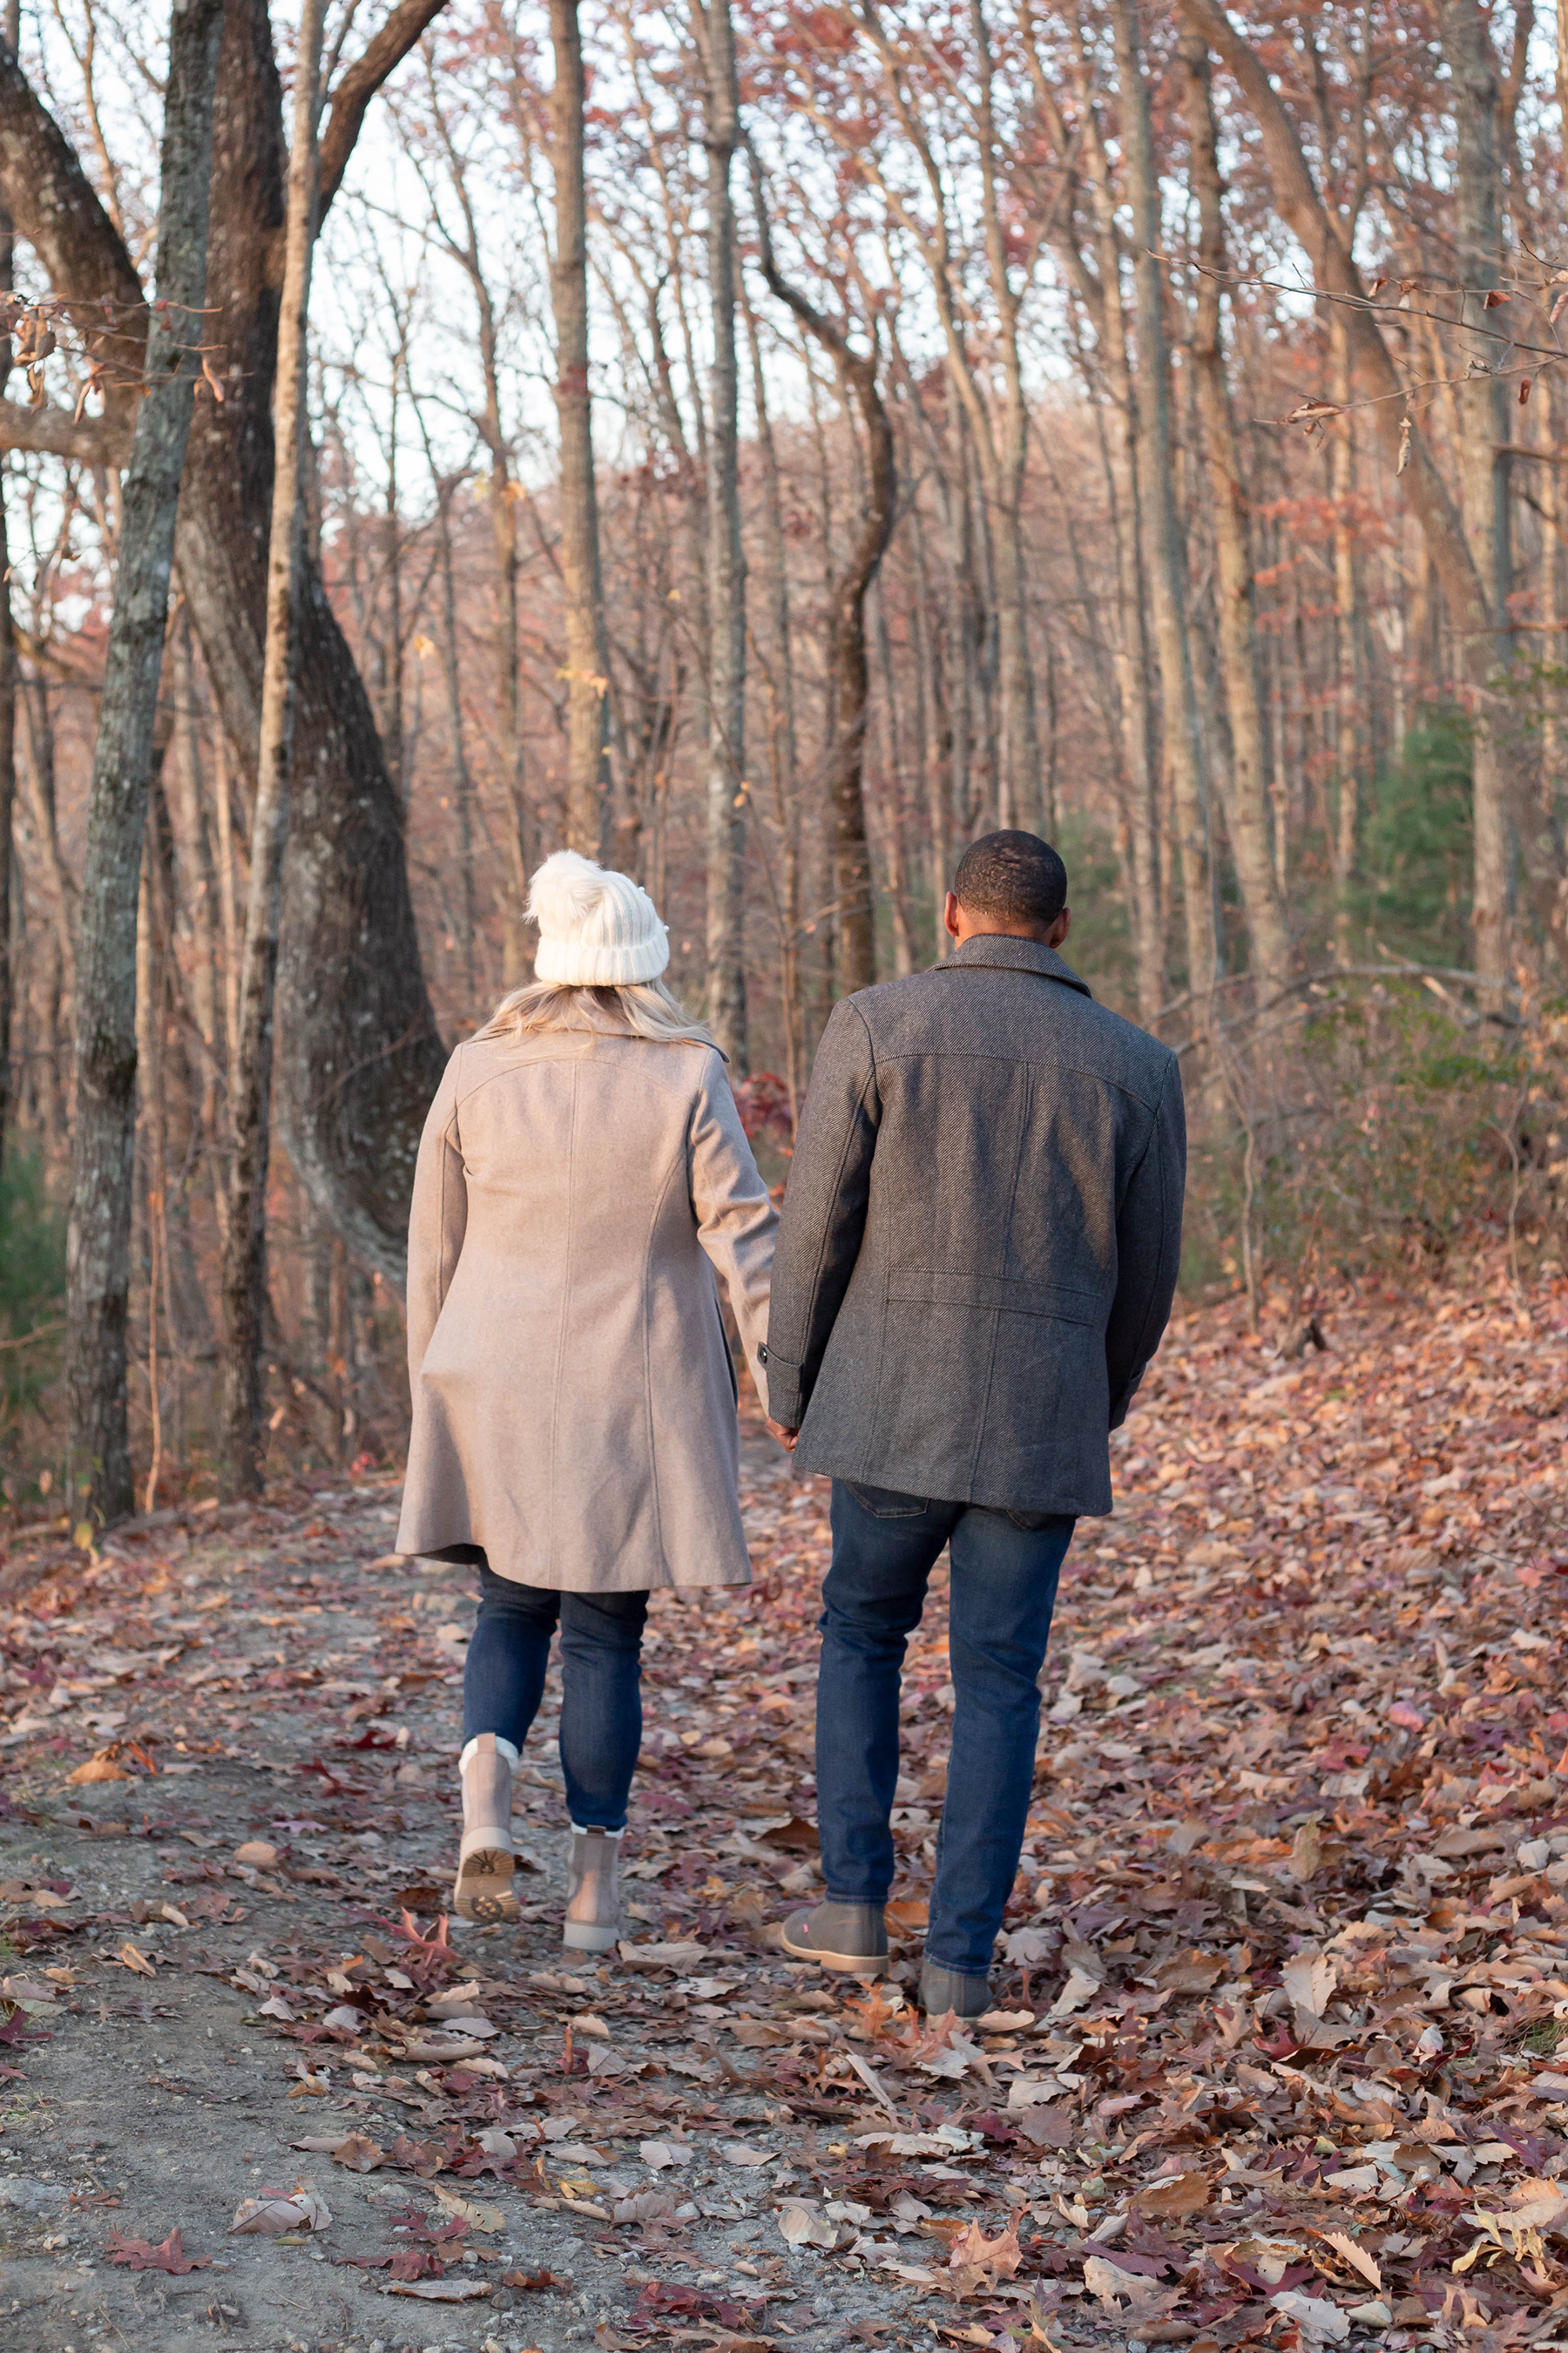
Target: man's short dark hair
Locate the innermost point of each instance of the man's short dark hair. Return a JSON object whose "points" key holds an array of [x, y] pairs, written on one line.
{"points": [[1016, 875]]}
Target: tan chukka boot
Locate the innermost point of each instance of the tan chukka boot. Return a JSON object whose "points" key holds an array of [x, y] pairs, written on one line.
{"points": [[592, 1920], [483, 1887]]}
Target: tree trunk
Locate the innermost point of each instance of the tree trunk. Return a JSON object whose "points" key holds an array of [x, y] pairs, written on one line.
{"points": [[1101, 290], [462, 778], [593, 824], [854, 933], [727, 788], [8, 686], [1163, 546], [783, 758], [250, 1091], [1230, 507], [1347, 641], [197, 882], [103, 1126], [1483, 407]]}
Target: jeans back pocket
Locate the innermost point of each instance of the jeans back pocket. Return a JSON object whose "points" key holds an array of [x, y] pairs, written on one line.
{"points": [[887, 1503]]}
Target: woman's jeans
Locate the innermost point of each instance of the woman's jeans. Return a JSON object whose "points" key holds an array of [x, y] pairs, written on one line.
{"points": [[600, 1684], [1005, 1566]]}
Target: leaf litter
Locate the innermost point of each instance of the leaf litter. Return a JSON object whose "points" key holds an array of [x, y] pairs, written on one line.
{"points": [[1272, 2057]]}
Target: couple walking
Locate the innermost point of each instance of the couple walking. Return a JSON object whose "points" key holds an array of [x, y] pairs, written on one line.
{"points": [[976, 1258]]}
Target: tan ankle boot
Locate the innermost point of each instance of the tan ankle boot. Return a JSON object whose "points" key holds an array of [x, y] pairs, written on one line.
{"points": [[592, 1890], [483, 1887]]}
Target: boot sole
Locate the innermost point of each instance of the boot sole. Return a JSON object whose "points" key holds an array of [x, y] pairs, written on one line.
{"points": [[853, 1964], [482, 1890], [587, 1937]]}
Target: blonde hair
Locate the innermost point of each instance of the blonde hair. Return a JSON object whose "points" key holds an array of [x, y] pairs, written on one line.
{"points": [[639, 1008]]}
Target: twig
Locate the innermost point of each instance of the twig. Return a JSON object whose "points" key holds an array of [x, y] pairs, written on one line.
{"points": [[38, 1332]]}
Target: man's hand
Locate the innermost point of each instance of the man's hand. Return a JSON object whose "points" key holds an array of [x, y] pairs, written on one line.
{"points": [[786, 1438]]}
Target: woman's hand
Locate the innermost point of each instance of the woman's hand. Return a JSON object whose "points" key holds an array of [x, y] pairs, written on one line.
{"points": [[786, 1438]]}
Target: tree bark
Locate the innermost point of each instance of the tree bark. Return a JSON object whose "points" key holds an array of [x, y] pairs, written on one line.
{"points": [[103, 1124], [1230, 507], [197, 882], [727, 788], [1163, 547], [250, 1086], [593, 824]]}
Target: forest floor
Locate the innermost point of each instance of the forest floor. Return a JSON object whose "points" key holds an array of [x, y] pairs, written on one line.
{"points": [[1274, 2052]]}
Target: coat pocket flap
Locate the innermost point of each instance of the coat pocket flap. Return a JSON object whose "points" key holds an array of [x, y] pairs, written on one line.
{"points": [[922, 1287]]}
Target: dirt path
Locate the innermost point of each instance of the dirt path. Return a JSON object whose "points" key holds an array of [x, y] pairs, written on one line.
{"points": [[1283, 1979]]}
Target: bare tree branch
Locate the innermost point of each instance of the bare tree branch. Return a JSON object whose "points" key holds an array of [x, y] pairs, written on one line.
{"points": [[358, 84]]}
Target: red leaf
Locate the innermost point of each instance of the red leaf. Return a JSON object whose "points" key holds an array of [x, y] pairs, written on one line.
{"points": [[141, 2255]]}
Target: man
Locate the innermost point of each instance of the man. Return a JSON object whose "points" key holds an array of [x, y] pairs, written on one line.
{"points": [[977, 1256]]}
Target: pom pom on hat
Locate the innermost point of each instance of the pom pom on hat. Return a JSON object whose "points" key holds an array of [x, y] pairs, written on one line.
{"points": [[597, 929]]}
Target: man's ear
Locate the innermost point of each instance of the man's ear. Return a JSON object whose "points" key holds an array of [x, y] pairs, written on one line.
{"points": [[950, 915], [1059, 929]]}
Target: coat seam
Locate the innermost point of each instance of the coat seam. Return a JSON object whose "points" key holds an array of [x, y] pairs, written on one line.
{"points": [[647, 1363], [1153, 1145], [982, 1418], [1028, 1062], [565, 1314]]}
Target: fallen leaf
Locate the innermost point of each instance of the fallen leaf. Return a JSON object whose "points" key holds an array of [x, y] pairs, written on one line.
{"points": [[139, 2255], [135, 1960], [102, 1766], [1309, 1981], [278, 2211], [360, 2154], [803, 2226], [1174, 2196], [795, 1837], [1192, 1972], [440, 2291], [1079, 1988], [1112, 2287], [644, 2206], [259, 1855], [1356, 2256], [1321, 2323], [489, 2218], [975, 2261]]}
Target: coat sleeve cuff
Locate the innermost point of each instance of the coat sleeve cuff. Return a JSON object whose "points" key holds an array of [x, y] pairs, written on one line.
{"points": [[785, 1403]]}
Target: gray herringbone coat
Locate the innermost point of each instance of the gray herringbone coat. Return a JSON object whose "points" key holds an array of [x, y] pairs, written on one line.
{"points": [[981, 1234], [574, 1396]]}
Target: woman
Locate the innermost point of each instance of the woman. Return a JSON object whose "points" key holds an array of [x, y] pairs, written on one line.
{"points": [[582, 1173]]}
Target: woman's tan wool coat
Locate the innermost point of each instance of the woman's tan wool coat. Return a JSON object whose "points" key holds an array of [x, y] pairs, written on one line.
{"points": [[574, 1394]]}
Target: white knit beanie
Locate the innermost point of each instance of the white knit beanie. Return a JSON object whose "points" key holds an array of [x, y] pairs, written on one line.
{"points": [[596, 928]]}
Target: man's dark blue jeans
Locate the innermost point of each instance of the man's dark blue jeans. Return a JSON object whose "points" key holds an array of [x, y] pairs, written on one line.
{"points": [[1005, 1566], [600, 1684]]}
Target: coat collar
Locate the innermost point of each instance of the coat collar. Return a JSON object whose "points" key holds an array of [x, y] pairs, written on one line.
{"points": [[1005, 949]]}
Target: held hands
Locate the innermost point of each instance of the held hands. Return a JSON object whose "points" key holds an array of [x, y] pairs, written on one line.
{"points": [[786, 1438]]}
